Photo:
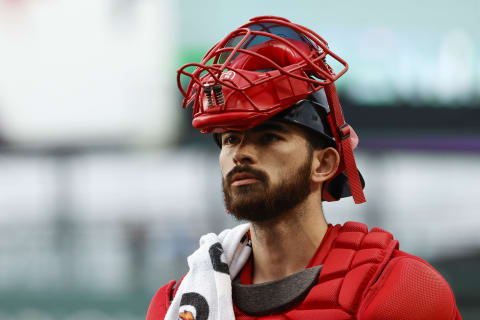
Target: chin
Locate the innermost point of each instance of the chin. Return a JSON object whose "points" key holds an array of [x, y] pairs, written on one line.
{"points": [[248, 199]]}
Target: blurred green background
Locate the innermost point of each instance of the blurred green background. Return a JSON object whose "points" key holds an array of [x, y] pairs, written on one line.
{"points": [[105, 187]]}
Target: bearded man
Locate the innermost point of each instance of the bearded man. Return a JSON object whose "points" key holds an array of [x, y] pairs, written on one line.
{"points": [[266, 92]]}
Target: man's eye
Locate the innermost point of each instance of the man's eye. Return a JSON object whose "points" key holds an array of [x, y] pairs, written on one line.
{"points": [[269, 137], [231, 139]]}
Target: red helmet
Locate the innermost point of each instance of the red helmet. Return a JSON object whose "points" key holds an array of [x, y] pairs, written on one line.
{"points": [[262, 68]]}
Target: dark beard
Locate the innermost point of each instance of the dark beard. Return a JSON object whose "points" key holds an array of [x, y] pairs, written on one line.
{"points": [[259, 202]]}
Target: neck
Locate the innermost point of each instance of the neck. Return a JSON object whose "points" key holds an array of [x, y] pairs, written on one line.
{"points": [[286, 244]]}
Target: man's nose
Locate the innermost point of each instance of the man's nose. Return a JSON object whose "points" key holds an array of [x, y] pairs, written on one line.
{"points": [[245, 152]]}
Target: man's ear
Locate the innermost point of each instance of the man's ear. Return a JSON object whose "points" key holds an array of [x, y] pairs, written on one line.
{"points": [[324, 165]]}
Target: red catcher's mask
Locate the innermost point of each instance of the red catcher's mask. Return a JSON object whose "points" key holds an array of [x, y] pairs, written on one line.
{"points": [[261, 69]]}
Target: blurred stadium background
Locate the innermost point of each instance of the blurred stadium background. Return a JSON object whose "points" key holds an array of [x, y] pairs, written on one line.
{"points": [[105, 188]]}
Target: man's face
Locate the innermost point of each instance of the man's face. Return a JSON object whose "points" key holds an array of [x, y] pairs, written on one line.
{"points": [[265, 170]]}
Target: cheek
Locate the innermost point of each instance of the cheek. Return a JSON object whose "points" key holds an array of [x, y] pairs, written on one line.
{"points": [[275, 165], [282, 165], [225, 165]]}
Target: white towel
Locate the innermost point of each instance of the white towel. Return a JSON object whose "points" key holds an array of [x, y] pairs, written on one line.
{"points": [[206, 291]]}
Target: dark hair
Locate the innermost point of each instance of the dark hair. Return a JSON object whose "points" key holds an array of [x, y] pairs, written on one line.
{"points": [[316, 140]]}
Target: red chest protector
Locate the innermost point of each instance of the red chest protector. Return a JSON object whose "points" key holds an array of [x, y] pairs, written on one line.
{"points": [[364, 276], [352, 259]]}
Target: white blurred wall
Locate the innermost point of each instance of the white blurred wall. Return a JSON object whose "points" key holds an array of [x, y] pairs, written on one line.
{"points": [[87, 72]]}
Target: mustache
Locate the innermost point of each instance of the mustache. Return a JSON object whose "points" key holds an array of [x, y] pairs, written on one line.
{"points": [[260, 175]]}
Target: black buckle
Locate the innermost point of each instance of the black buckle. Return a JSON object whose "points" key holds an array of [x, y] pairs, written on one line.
{"points": [[344, 131]]}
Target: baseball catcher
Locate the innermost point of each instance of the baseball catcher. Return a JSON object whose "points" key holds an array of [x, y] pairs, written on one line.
{"points": [[266, 94]]}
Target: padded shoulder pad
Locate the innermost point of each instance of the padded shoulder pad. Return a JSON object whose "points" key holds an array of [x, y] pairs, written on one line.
{"points": [[357, 258], [409, 288], [160, 302]]}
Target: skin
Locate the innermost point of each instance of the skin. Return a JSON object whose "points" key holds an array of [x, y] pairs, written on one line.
{"points": [[277, 151]]}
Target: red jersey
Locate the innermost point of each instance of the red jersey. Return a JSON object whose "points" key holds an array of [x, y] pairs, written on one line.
{"points": [[364, 276]]}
